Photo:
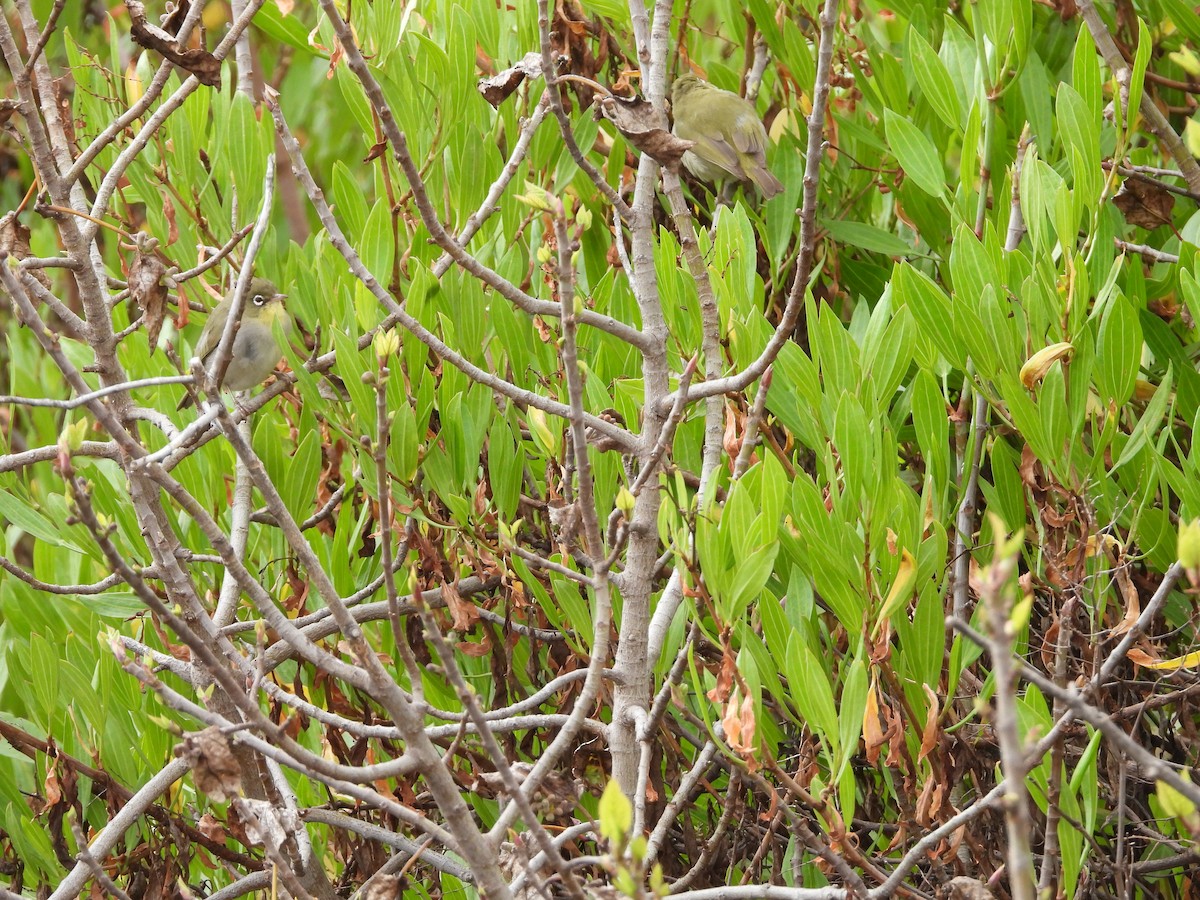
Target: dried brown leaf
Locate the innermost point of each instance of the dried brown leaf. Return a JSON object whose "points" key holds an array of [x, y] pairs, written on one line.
{"points": [[214, 767], [964, 888], [14, 240], [646, 129], [211, 828], [1144, 203], [8, 108], [1133, 603], [149, 293], [201, 63], [172, 224], [929, 737], [174, 19], [377, 150], [500, 86], [383, 887], [721, 690], [1142, 658], [464, 613], [873, 736], [473, 649]]}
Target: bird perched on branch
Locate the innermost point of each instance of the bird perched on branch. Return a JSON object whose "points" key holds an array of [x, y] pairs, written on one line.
{"points": [[730, 139], [255, 349]]}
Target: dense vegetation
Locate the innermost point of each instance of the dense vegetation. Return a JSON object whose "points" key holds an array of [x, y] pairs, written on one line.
{"points": [[602, 535]]}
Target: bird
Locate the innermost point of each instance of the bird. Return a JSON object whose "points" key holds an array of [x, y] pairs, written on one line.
{"points": [[255, 349], [730, 140]]}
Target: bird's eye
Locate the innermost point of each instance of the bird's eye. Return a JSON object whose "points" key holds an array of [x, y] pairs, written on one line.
{"points": [[259, 300]]}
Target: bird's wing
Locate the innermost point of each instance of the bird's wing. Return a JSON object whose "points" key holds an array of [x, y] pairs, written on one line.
{"points": [[211, 335], [719, 152], [712, 149], [748, 135]]}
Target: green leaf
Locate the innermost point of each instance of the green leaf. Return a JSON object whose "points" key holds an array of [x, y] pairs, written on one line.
{"points": [[404, 449], [916, 154], [934, 79], [350, 206], [851, 708], [246, 158], [931, 308], [1118, 352], [20, 512], [750, 577], [615, 814], [1148, 423], [811, 692], [379, 243], [1137, 80], [1079, 129], [288, 29], [43, 662], [1183, 16], [867, 237], [112, 604]]}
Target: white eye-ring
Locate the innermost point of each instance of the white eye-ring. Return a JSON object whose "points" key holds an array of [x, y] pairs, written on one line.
{"points": [[259, 300]]}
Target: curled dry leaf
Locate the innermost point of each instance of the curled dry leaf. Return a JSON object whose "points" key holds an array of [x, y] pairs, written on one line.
{"points": [[931, 733], [1144, 203], [873, 736], [8, 108], [1039, 364], [1187, 661], [740, 727], [149, 293], [1133, 603], [646, 129], [211, 828], [214, 767], [201, 63], [500, 86], [176, 13], [383, 887], [963, 888], [14, 240], [720, 692], [464, 612]]}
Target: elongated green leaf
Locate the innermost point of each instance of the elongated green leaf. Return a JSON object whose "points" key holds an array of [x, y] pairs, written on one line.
{"points": [[916, 154], [934, 78]]}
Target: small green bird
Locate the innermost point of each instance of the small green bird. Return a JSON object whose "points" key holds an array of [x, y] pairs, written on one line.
{"points": [[730, 138], [255, 350]]}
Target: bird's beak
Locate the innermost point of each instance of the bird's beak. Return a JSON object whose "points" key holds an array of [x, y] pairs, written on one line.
{"points": [[281, 297]]}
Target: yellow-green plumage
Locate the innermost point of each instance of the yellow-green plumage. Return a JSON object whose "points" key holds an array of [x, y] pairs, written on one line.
{"points": [[255, 349], [730, 139]]}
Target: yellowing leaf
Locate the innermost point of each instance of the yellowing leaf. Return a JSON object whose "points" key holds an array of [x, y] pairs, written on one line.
{"points": [[134, 88], [539, 427], [902, 588], [1186, 59], [1039, 364], [1189, 550], [1176, 804], [1191, 137], [1179, 662]]}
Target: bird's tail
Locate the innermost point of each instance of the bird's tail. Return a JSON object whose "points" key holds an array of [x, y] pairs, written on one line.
{"points": [[767, 183]]}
